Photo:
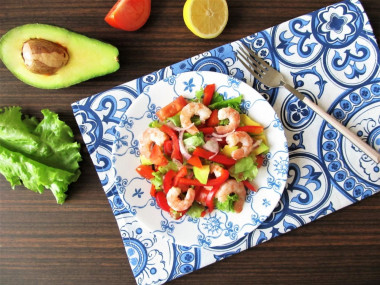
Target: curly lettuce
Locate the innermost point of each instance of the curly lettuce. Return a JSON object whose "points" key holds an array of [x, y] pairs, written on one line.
{"points": [[39, 155], [195, 210], [192, 141], [228, 205], [158, 176], [175, 120], [244, 169], [218, 102]]}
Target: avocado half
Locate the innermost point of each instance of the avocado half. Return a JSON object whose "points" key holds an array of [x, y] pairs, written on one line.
{"points": [[88, 57]]}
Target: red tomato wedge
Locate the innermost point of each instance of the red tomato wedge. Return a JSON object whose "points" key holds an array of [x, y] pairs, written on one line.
{"points": [[157, 156], [129, 15], [195, 161], [171, 109], [208, 94], [145, 171], [213, 120]]}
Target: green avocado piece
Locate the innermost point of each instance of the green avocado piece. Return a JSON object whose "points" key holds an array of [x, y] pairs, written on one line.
{"points": [[262, 148], [201, 174], [87, 57]]}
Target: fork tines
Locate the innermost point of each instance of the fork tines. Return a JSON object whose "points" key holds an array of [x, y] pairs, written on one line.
{"points": [[251, 61]]}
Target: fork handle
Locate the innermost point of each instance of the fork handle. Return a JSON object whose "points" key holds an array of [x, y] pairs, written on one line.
{"points": [[367, 149]]}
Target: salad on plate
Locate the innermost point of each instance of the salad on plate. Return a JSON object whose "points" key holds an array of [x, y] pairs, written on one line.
{"points": [[202, 154]]}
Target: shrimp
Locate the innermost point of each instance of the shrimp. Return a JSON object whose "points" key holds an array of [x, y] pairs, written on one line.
{"points": [[178, 204], [190, 110], [216, 169], [234, 120], [149, 137], [229, 187], [243, 139]]}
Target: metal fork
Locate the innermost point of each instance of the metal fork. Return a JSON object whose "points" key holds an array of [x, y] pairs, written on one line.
{"points": [[270, 77]]}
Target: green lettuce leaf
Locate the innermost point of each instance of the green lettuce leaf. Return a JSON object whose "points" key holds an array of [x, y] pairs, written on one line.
{"points": [[199, 94], [158, 178], [195, 210], [244, 169], [228, 205], [192, 141], [220, 103], [196, 120], [155, 124], [175, 119], [217, 97], [40, 155], [224, 122]]}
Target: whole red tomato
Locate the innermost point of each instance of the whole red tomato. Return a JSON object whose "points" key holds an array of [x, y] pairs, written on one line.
{"points": [[129, 15]]}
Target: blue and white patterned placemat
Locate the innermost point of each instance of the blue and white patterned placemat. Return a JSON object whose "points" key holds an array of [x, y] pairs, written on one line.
{"points": [[330, 55]]}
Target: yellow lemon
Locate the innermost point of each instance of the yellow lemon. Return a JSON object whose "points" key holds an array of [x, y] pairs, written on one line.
{"points": [[206, 18]]}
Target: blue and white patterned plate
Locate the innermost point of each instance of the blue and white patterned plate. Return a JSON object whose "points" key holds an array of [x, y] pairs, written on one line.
{"points": [[218, 227]]}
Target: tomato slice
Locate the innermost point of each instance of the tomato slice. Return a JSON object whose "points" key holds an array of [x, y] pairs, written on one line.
{"points": [[157, 156], [145, 171], [129, 15], [213, 120], [171, 109], [195, 161], [208, 94]]}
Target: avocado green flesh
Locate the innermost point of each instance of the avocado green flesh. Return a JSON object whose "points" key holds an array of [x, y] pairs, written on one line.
{"points": [[201, 174], [261, 149], [88, 58]]}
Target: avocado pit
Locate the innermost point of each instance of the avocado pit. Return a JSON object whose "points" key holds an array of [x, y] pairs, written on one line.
{"points": [[44, 57]]}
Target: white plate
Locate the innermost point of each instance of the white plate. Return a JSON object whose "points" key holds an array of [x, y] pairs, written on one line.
{"points": [[217, 228]]}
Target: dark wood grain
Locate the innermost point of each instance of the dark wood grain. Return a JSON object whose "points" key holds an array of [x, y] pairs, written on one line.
{"points": [[79, 242]]}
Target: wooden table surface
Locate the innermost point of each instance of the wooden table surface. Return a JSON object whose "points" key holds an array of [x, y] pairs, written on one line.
{"points": [[79, 242]]}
